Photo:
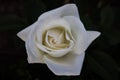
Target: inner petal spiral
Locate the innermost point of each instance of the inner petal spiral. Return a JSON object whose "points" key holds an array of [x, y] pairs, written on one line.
{"points": [[55, 38]]}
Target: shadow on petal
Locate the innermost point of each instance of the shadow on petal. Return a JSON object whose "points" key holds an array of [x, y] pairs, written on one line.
{"points": [[70, 64]]}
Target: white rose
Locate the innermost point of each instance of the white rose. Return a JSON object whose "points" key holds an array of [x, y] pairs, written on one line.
{"points": [[58, 38]]}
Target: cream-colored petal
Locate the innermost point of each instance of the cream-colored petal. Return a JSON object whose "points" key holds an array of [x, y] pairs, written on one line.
{"points": [[55, 53], [66, 10], [34, 54], [79, 33], [56, 34], [91, 36], [56, 23], [60, 23], [55, 38], [69, 65], [31, 57], [25, 32]]}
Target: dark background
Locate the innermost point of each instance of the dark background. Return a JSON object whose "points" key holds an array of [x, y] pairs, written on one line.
{"points": [[102, 60]]}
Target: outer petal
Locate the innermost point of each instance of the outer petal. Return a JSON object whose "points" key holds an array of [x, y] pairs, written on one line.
{"points": [[24, 33], [79, 33], [70, 64], [66, 10], [91, 36], [34, 54]]}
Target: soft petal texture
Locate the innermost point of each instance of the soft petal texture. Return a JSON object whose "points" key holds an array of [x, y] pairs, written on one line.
{"points": [[55, 53], [32, 58], [25, 32], [48, 25], [69, 65], [34, 54], [28, 35], [66, 10], [55, 39], [53, 24], [91, 36], [79, 33]]}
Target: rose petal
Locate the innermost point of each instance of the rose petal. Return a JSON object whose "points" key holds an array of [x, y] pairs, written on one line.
{"points": [[55, 53], [66, 10], [91, 36], [34, 54], [25, 32], [79, 33], [70, 64], [52, 24], [54, 38], [48, 25], [32, 58]]}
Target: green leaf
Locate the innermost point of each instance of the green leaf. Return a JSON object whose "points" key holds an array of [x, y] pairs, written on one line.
{"points": [[103, 65]]}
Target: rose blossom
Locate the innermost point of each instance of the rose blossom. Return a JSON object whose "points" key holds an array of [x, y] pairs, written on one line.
{"points": [[59, 40]]}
